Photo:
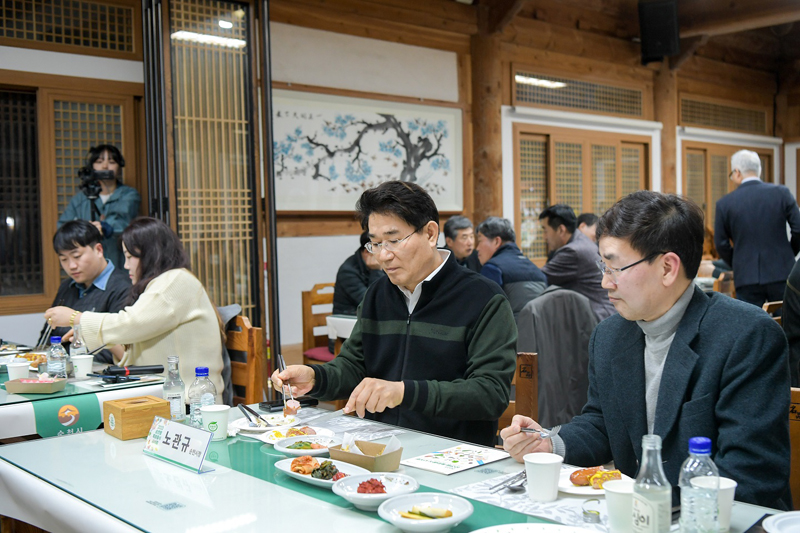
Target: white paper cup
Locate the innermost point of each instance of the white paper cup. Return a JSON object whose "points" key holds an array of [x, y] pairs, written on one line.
{"points": [[543, 470], [82, 365], [18, 370], [619, 500], [215, 420], [727, 489]]}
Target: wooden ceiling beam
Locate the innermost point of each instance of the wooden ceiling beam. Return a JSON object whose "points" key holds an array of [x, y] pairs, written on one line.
{"points": [[688, 47], [500, 14], [720, 17]]}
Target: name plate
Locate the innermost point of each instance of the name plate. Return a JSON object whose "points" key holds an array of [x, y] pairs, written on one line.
{"points": [[179, 444]]}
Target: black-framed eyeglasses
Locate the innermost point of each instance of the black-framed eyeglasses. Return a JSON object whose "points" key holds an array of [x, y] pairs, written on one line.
{"points": [[390, 245], [614, 272]]}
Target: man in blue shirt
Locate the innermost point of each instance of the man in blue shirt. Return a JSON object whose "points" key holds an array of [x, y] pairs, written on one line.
{"points": [[95, 284]]}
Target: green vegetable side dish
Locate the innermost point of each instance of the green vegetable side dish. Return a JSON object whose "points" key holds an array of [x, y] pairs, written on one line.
{"points": [[300, 445], [325, 471]]}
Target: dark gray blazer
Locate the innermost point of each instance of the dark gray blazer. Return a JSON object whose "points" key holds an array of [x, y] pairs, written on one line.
{"points": [[574, 267], [726, 377], [754, 217]]}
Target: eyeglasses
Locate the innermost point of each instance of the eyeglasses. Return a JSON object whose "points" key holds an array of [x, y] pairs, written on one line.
{"points": [[614, 272], [730, 176], [389, 246]]}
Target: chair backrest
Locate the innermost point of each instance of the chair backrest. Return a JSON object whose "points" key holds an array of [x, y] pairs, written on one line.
{"points": [[244, 338], [526, 390], [773, 307], [312, 319], [724, 284], [794, 436], [558, 325]]}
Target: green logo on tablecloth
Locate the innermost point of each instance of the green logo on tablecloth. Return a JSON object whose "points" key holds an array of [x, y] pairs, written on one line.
{"points": [[63, 416]]}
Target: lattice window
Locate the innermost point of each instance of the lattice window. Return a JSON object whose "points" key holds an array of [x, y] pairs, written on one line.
{"points": [[91, 25], [719, 183], [632, 168], [604, 177], [533, 195], [727, 117], [695, 176], [569, 175], [21, 266], [77, 127], [214, 192], [540, 89]]}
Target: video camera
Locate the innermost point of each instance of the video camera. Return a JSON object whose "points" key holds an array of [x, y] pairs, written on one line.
{"points": [[90, 181]]}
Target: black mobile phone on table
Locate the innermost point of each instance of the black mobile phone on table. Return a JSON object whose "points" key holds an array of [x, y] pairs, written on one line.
{"points": [[277, 405]]}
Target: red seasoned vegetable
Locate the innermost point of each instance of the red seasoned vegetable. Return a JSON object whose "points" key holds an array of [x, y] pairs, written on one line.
{"points": [[371, 486]]}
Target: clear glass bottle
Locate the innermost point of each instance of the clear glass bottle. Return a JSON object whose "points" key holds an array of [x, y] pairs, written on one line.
{"points": [[699, 483], [56, 359], [174, 389], [77, 347], [652, 493], [202, 392]]}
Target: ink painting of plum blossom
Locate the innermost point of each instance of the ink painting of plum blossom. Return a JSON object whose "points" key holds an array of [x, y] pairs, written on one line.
{"points": [[329, 149]]}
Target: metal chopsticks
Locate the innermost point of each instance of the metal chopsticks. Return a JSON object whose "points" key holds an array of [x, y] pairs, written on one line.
{"points": [[508, 482]]}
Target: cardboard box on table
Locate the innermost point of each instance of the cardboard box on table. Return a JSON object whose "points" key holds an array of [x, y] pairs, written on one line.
{"points": [[17, 386], [131, 418], [372, 459]]}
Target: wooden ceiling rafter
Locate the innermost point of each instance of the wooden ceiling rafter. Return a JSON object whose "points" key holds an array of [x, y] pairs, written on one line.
{"points": [[720, 17], [499, 14], [688, 48]]}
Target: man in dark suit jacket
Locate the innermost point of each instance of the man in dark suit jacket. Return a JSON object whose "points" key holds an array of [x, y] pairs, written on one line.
{"points": [[676, 362], [754, 217], [573, 261]]}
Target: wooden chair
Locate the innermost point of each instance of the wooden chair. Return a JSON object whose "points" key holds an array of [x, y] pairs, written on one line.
{"points": [[244, 338], [315, 347], [526, 386], [724, 284], [794, 436], [772, 307]]}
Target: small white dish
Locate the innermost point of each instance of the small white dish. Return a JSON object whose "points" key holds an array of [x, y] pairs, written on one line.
{"points": [[282, 445], [390, 511], [782, 523], [285, 466], [274, 435], [395, 485], [566, 486], [277, 421]]}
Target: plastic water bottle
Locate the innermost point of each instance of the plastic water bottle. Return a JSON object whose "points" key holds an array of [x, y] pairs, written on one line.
{"points": [[699, 482], [56, 359], [77, 347], [202, 392], [652, 493], [173, 390]]}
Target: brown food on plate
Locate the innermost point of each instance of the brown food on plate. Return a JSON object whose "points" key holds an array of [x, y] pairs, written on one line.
{"points": [[602, 476], [581, 478], [371, 486], [299, 432], [291, 407], [304, 464]]}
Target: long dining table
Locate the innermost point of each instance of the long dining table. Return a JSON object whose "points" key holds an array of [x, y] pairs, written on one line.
{"points": [[94, 482]]}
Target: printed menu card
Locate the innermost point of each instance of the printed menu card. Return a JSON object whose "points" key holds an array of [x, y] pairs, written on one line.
{"points": [[456, 459]]}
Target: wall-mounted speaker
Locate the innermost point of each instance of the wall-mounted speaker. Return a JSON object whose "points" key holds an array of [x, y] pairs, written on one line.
{"points": [[658, 28]]}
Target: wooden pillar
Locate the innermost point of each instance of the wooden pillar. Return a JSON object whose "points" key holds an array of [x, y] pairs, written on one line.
{"points": [[665, 96], [486, 140]]}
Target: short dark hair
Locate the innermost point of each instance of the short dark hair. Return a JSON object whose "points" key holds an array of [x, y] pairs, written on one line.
{"points": [[76, 234], [497, 227], [590, 219], [653, 222], [455, 224], [407, 201], [158, 249], [560, 214], [96, 151], [364, 238]]}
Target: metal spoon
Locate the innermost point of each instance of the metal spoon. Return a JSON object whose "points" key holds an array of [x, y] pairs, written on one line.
{"points": [[248, 417], [543, 433]]}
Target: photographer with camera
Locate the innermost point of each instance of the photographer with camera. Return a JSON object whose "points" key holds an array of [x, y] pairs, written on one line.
{"points": [[104, 200]]}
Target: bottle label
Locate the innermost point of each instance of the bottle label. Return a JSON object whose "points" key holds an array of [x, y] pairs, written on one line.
{"points": [[649, 516], [175, 405]]}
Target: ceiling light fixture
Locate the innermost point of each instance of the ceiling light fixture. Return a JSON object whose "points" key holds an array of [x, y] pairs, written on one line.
{"points": [[203, 38], [538, 82]]}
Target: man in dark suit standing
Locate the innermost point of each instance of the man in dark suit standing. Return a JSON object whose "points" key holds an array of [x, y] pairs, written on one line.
{"points": [[750, 231], [573, 258], [675, 362]]}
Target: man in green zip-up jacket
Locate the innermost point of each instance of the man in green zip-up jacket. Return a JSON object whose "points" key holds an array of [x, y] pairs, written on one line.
{"points": [[434, 345]]}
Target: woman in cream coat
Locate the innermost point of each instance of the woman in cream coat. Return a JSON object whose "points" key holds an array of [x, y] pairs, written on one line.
{"points": [[168, 313]]}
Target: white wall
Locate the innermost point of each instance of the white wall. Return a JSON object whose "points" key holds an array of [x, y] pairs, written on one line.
{"points": [[21, 328], [325, 59]]}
